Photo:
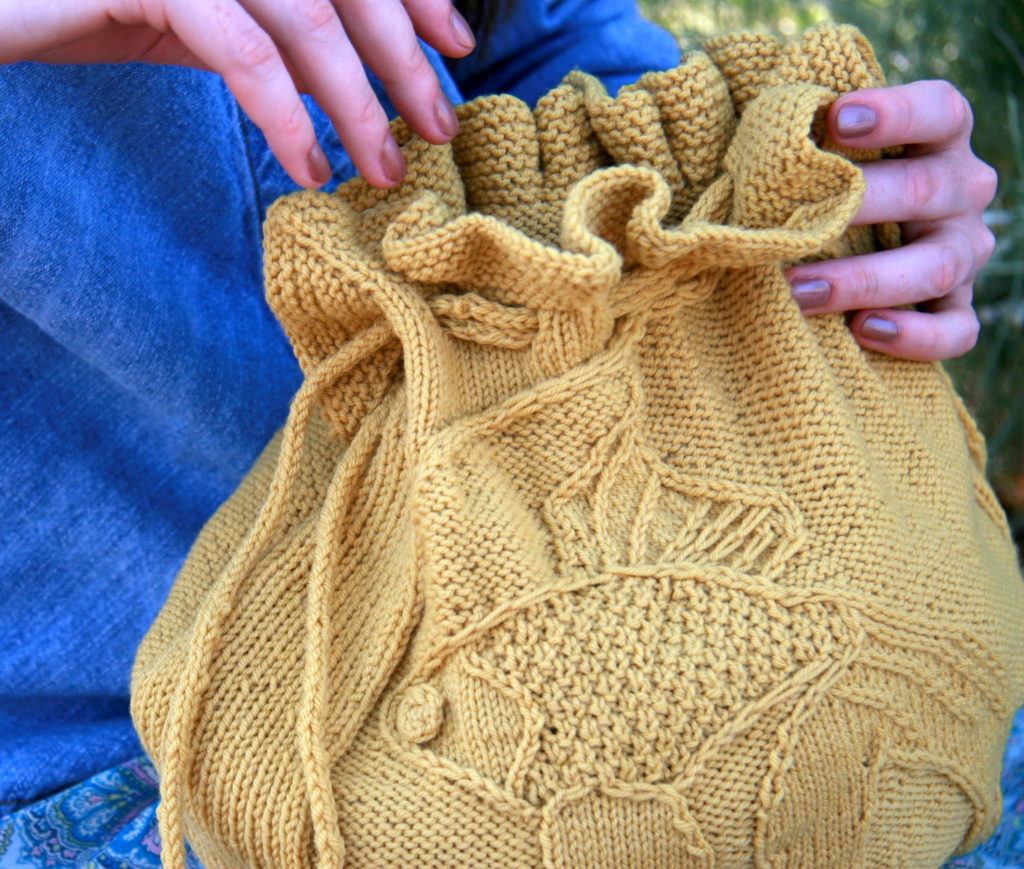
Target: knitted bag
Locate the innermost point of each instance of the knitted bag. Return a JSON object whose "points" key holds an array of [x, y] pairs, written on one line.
{"points": [[581, 546]]}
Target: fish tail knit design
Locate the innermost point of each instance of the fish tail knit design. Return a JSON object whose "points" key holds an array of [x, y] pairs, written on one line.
{"points": [[581, 546]]}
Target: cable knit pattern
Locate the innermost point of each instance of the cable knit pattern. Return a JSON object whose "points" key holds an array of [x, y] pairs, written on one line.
{"points": [[582, 547]]}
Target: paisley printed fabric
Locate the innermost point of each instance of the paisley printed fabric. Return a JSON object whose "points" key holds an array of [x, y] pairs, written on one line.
{"points": [[106, 821], [109, 820]]}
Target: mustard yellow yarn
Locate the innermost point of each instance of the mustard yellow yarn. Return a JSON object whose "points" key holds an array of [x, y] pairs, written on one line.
{"points": [[582, 547]]}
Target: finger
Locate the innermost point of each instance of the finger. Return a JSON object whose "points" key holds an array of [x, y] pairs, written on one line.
{"points": [[31, 29], [230, 42], [944, 333], [928, 269], [383, 35], [322, 57], [438, 23], [929, 187], [932, 115]]}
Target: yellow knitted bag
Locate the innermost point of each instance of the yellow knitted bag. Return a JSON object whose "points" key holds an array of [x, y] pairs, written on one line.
{"points": [[582, 547]]}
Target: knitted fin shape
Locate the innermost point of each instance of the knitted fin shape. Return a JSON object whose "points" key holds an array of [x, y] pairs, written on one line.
{"points": [[577, 524]]}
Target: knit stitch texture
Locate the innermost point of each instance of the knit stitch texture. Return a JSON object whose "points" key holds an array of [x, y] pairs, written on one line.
{"points": [[582, 547]]}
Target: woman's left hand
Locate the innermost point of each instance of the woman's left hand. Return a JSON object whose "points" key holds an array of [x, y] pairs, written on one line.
{"points": [[937, 190]]}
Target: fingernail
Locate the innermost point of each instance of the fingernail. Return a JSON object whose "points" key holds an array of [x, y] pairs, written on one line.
{"points": [[854, 121], [811, 293], [319, 168], [460, 30], [391, 160], [880, 329]]}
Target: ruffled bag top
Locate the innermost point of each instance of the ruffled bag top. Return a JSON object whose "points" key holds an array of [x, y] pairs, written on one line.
{"points": [[581, 545]]}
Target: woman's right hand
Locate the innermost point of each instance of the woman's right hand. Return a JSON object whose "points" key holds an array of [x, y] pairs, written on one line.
{"points": [[268, 52]]}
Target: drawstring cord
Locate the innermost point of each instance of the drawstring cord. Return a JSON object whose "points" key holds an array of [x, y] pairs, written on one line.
{"points": [[316, 768], [196, 676]]}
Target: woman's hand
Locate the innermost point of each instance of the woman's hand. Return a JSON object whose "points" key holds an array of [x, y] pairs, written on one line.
{"points": [[268, 52], [937, 191]]}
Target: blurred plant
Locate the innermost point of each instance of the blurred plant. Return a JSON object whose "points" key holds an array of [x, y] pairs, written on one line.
{"points": [[980, 48], [693, 22]]}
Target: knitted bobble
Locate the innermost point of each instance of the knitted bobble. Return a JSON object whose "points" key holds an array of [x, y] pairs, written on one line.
{"points": [[420, 713]]}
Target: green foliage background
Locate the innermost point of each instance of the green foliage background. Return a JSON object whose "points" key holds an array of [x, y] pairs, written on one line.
{"points": [[980, 48]]}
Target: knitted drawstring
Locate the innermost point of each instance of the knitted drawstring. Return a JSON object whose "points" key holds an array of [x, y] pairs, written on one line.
{"points": [[316, 765], [195, 679]]}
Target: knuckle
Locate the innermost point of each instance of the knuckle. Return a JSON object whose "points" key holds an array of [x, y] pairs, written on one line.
{"points": [[972, 331], [945, 271], [429, 7], [131, 10], [315, 16], [956, 106], [902, 112], [293, 122], [920, 187], [416, 62], [862, 285], [968, 330], [439, 11], [411, 66], [985, 180], [986, 245], [256, 50], [966, 115], [366, 111], [355, 14]]}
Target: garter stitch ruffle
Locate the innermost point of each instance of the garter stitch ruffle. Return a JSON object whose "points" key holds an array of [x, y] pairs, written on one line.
{"points": [[582, 547]]}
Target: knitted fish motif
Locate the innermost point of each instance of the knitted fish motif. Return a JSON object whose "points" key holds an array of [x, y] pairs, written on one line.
{"points": [[582, 547]]}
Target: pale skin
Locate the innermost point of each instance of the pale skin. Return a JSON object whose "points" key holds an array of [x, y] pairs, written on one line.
{"points": [[271, 51], [937, 191]]}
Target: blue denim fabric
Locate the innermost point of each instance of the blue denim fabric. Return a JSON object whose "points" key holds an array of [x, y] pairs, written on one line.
{"points": [[141, 371], [545, 39]]}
